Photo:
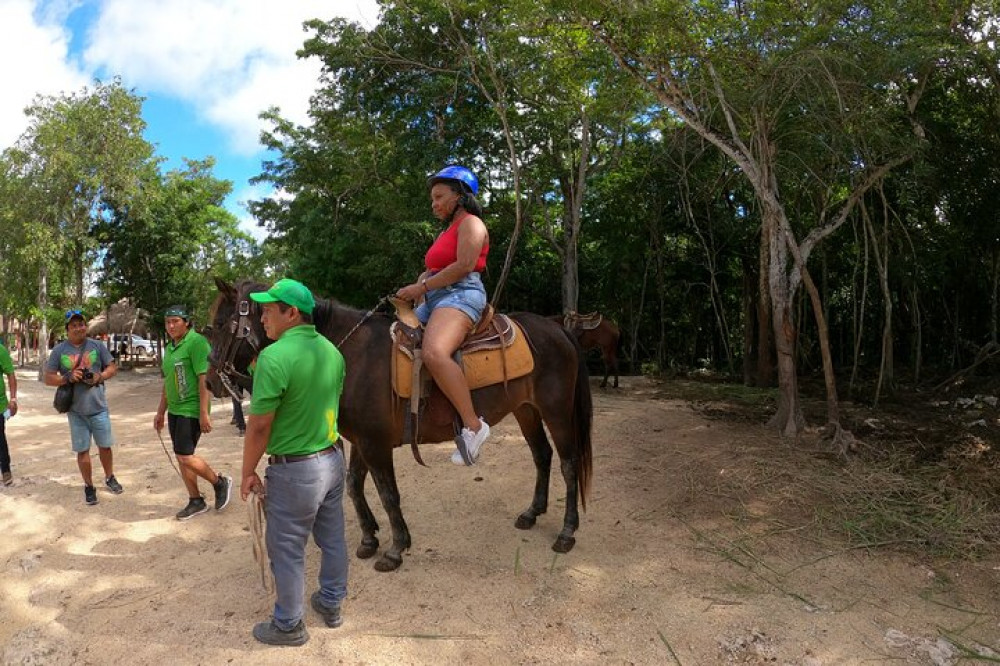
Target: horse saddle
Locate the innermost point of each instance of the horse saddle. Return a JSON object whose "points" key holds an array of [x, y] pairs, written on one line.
{"points": [[587, 322], [494, 352]]}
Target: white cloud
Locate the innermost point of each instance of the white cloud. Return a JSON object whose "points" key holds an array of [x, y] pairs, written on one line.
{"points": [[231, 59], [34, 52], [248, 222]]}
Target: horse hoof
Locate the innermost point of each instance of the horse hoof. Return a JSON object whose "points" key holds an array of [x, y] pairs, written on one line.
{"points": [[367, 550], [388, 563], [524, 522], [564, 544]]}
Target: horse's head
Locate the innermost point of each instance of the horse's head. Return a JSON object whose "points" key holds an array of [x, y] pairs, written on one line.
{"points": [[236, 333]]}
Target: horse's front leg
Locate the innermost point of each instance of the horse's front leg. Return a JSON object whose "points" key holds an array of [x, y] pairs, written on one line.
{"points": [[541, 453], [384, 475], [356, 475]]}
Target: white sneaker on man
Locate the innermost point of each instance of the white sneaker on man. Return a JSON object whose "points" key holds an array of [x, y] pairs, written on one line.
{"points": [[473, 442]]}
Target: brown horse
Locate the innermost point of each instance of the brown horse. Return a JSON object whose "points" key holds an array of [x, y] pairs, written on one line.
{"points": [[595, 332], [556, 394]]}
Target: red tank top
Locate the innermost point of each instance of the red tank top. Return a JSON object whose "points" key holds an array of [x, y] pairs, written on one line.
{"points": [[444, 251]]}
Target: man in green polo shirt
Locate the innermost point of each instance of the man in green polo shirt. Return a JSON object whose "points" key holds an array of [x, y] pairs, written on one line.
{"points": [[186, 399], [293, 417], [9, 408]]}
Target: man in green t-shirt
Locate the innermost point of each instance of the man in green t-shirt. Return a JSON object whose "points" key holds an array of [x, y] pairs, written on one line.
{"points": [[186, 400], [293, 417], [8, 408]]}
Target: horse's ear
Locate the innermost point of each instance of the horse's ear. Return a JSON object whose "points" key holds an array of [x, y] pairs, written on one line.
{"points": [[225, 288]]}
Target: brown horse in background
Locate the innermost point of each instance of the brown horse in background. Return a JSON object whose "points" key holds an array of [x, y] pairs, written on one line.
{"points": [[555, 395], [595, 331]]}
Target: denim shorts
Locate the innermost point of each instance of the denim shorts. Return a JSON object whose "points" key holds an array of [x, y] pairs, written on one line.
{"points": [[467, 295], [81, 427]]}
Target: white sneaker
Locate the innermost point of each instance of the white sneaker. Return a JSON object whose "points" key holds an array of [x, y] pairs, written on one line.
{"points": [[473, 442]]}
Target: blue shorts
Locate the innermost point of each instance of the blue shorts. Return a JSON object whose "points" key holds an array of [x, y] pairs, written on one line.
{"points": [[467, 295], [82, 427]]}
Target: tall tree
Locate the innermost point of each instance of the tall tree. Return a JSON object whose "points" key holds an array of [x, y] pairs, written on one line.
{"points": [[79, 149], [825, 89], [164, 247]]}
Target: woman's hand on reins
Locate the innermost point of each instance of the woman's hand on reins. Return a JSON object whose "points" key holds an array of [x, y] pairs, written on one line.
{"points": [[412, 292]]}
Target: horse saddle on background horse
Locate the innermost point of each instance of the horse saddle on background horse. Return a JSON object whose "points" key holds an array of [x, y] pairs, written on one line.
{"points": [[587, 322], [495, 351]]}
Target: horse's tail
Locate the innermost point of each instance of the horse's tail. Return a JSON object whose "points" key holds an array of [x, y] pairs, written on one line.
{"points": [[583, 419]]}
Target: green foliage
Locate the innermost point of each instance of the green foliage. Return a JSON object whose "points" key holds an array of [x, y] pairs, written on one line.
{"points": [[164, 247]]}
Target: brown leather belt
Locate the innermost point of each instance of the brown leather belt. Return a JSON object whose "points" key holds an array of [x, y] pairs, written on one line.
{"points": [[281, 460]]}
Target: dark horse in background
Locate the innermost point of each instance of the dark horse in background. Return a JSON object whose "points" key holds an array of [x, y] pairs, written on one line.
{"points": [[595, 331], [556, 394]]}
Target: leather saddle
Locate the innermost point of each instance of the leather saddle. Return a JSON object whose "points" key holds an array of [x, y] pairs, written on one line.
{"points": [[585, 322], [495, 352]]}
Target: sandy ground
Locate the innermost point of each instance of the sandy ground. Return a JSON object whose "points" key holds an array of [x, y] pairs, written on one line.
{"points": [[698, 548]]}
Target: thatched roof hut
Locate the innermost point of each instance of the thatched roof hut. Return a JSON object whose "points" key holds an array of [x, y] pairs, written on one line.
{"points": [[121, 317]]}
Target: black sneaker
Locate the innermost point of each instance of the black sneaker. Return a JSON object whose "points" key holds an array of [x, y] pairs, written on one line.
{"points": [[223, 489], [112, 483], [331, 614], [90, 494], [268, 632], [195, 506]]}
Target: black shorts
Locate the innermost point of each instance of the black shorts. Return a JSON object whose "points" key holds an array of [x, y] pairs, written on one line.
{"points": [[184, 433]]}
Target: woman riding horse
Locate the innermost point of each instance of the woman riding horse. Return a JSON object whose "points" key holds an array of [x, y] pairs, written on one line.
{"points": [[452, 294]]}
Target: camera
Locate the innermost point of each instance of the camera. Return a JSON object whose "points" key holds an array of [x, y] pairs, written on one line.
{"points": [[86, 374]]}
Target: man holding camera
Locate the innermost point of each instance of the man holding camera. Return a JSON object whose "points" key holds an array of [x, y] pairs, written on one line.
{"points": [[86, 364]]}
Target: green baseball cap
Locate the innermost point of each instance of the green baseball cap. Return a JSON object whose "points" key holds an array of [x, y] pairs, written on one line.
{"points": [[177, 311], [290, 292]]}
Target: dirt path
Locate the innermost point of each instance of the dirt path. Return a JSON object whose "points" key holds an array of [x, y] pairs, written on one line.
{"points": [[699, 547]]}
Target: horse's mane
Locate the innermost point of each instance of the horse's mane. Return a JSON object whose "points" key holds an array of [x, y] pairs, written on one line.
{"points": [[327, 307], [325, 310]]}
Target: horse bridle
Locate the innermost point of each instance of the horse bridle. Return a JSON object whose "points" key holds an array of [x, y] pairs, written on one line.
{"points": [[240, 332]]}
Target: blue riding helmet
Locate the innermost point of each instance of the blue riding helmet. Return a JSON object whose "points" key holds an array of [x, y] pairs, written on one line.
{"points": [[459, 173]]}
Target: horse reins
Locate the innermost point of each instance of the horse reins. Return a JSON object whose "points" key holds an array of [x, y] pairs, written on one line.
{"points": [[167, 453], [382, 301]]}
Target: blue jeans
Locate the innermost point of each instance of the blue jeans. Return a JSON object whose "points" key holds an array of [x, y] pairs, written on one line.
{"points": [[302, 497], [81, 427], [467, 295]]}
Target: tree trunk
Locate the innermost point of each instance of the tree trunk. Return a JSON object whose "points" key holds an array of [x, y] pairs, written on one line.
{"points": [[881, 256], [570, 275], [789, 419], [749, 323], [765, 346], [80, 256], [994, 295], [918, 329], [43, 304], [574, 189]]}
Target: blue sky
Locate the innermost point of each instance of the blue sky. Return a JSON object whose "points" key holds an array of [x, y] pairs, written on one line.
{"points": [[205, 67]]}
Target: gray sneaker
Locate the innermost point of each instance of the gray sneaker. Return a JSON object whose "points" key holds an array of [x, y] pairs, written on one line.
{"points": [[112, 483], [331, 614], [195, 506], [223, 489], [90, 495], [268, 632]]}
